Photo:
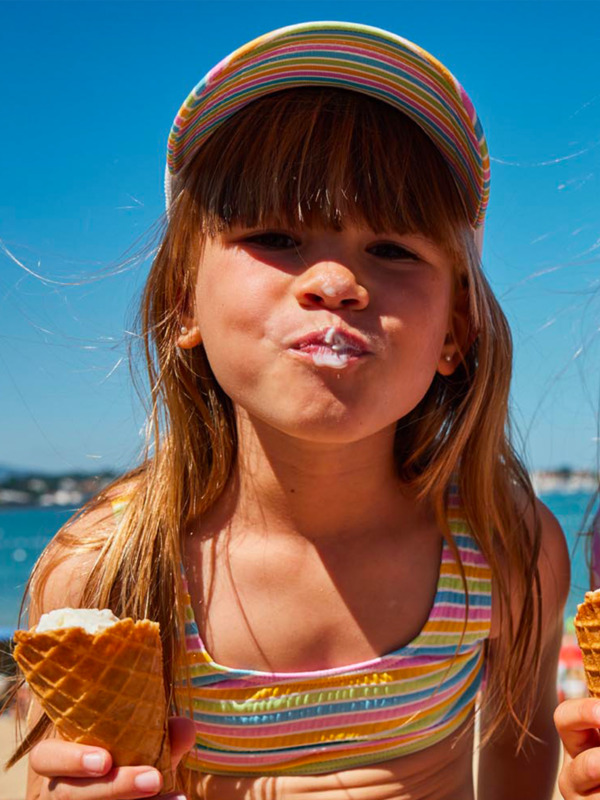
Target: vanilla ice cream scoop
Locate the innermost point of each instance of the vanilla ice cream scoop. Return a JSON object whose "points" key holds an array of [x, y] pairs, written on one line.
{"points": [[92, 620]]}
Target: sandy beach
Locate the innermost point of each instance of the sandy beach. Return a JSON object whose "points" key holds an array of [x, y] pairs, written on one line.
{"points": [[12, 783]]}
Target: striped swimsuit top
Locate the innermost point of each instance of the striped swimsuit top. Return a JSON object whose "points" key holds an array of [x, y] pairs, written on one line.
{"points": [[250, 722]]}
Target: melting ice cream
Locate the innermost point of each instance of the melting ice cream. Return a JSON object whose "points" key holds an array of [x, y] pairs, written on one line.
{"points": [[92, 620], [337, 353]]}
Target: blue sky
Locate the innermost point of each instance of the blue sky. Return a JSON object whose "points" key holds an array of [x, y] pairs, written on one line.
{"points": [[89, 93]]}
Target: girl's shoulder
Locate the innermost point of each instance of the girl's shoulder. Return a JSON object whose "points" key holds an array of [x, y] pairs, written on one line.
{"points": [[551, 557], [553, 542], [64, 567], [554, 564], [553, 560]]}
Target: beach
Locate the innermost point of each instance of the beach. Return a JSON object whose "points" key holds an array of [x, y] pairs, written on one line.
{"points": [[13, 782]]}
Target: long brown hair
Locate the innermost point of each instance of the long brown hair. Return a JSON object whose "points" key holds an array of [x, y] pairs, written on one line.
{"points": [[315, 157]]}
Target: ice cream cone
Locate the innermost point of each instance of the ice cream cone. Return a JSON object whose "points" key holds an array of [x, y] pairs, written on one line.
{"points": [[587, 627], [103, 689]]}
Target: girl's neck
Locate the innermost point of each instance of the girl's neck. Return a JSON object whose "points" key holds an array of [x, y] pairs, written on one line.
{"points": [[312, 489]]}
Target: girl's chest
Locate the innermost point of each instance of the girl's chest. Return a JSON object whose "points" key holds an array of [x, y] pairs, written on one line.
{"points": [[443, 771], [288, 606]]}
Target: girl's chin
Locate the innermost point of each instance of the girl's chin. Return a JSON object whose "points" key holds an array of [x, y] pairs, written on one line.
{"points": [[330, 426]]}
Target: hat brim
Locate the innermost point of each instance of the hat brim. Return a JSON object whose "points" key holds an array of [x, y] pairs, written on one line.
{"points": [[360, 58]]}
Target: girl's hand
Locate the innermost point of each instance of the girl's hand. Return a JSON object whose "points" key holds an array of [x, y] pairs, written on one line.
{"points": [[577, 722], [81, 772]]}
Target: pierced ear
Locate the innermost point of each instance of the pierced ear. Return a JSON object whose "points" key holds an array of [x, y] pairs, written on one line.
{"points": [[461, 335], [450, 356], [189, 337]]}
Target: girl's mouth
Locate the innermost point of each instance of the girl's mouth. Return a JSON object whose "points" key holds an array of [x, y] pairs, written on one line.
{"points": [[332, 347]]}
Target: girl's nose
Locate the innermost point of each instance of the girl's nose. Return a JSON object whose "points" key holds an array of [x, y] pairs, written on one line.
{"points": [[330, 285]]}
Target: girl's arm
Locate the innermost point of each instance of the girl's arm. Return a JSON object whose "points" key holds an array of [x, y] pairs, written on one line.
{"points": [[60, 769], [531, 773]]}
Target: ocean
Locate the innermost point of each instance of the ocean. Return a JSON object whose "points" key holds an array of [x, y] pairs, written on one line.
{"points": [[24, 532]]}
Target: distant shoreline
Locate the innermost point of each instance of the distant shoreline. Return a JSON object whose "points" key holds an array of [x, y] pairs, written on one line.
{"points": [[565, 482], [541, 487], [34, 490]]}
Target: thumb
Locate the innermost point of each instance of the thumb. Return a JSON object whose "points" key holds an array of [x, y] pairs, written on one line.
{"points": [[182, 735], [577, 723]]}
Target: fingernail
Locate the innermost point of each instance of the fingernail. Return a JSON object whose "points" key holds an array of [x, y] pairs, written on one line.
{"points": [[596, 712], [94, 762], [147, 781]]}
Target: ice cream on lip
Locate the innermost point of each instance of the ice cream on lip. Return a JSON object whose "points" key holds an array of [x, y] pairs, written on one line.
{"points": [[332, 347]]}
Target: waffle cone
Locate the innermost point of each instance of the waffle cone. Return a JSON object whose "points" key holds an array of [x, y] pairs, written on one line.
{"points": [[103, 689], [587, 627]]}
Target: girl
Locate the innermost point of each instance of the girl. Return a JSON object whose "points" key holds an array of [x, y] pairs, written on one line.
{"points": [[330, 524]]}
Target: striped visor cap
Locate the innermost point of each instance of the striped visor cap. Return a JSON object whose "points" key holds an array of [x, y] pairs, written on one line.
{"points": [[350, 56]]}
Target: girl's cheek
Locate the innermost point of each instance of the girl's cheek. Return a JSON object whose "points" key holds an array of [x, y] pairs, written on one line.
{"points": [[417, 307], [240, 292]]}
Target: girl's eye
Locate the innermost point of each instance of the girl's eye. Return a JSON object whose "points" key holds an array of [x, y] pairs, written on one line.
{"points": [[272, 240], [392, 251]]}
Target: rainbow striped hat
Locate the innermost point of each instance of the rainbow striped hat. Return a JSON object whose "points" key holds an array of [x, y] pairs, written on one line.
{"points": [[350, 56]]}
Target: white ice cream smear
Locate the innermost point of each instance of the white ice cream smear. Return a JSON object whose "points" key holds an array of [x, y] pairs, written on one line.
{"points": [[337, 341], [92, 620], [329, 358], [337, 352]]}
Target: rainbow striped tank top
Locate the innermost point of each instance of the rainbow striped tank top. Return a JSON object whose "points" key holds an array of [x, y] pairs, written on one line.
{"points": [[259, 723]]}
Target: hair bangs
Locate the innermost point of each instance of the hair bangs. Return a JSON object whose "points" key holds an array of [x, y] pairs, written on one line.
{"points": [[327, 158]]}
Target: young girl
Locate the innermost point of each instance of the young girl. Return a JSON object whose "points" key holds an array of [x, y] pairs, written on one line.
{"points": [[330, 524]]}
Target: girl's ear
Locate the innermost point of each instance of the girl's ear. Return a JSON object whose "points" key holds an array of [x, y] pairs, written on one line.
{"points": [[189, 334], [460, 336]]}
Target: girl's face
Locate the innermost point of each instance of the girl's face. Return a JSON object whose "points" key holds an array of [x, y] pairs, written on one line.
{"points": [[328, 336]]}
